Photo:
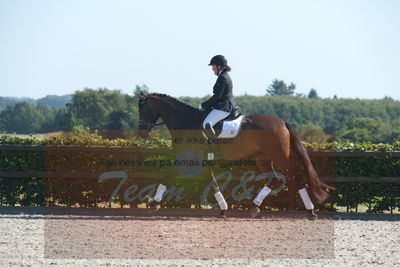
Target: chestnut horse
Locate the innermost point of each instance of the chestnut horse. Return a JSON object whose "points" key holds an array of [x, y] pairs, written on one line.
{"points": [[265, 137]]}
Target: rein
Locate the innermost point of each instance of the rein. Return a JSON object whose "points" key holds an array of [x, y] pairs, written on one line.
{"points": [[150, 125]]}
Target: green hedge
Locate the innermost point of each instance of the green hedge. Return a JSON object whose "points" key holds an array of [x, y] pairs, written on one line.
{"points": [[38, 191], [378, 197]]}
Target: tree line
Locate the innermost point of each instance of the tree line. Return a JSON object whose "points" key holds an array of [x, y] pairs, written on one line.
{"points": [[55, 101], [317, 119]]}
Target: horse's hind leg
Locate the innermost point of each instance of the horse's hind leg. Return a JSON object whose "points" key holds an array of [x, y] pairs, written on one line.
{"points": [[284, 166], [294, 179], [301, 188], [307, 202], [265, 190]]}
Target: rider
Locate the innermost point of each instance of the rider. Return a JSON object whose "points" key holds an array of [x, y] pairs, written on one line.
{"points": [[221, 103]]}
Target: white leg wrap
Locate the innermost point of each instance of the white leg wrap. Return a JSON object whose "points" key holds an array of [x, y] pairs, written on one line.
{"points": [[160, 192], [221, 201], [306, 199], [261, 195]]}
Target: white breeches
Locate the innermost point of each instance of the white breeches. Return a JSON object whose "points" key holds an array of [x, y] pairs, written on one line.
{"points": [[215, 116]]}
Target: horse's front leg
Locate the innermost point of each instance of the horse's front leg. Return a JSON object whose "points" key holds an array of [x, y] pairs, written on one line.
{"points": [[158, 196], [223, 206]]}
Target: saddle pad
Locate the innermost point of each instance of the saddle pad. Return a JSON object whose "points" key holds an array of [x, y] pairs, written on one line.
{"points": [[230, 129]]}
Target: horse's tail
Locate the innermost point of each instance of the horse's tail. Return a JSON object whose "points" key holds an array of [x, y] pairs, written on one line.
{"points": [[315, 183]]}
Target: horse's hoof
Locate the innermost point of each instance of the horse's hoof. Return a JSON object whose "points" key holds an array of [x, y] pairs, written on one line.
{"points": [[254, 212], [222, 214], [154, 207], [311, 215]]}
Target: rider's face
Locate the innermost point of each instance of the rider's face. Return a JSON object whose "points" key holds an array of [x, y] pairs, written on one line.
{"points": [[215, 69]]}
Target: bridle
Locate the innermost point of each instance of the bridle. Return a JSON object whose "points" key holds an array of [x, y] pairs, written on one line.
{"points": [[148, 125]]}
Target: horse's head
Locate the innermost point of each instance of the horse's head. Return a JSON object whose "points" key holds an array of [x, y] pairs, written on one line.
{"points": [[175, 114], [147, 116]]}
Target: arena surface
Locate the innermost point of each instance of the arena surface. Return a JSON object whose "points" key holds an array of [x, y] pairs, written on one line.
{"points": [[136, 237]]}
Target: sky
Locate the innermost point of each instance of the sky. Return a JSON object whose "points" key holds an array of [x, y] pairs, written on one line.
{"points": [[347, 48]]}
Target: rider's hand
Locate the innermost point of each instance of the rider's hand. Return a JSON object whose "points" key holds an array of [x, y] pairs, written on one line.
{"points": [[200, 107]]}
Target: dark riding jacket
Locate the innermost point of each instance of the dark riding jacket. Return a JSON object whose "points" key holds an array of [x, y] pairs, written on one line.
{"points": [[223, 97]]}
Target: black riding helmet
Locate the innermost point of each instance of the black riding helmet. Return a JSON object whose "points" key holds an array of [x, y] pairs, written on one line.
{"points": [[219, 60]]}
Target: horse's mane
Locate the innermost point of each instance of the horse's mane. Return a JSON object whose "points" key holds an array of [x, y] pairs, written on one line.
{"points": [[176, 101]]}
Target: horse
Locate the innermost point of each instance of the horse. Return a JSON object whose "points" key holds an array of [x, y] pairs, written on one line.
{"points": [[265, 137]]}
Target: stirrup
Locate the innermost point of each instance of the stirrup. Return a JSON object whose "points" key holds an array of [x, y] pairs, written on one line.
{"points": [[212, 152]]}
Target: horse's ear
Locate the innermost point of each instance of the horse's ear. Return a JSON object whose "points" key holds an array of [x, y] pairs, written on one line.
{"points": [[140, 95]]}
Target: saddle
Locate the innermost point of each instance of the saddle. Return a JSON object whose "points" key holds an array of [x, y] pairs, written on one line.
{"points": [[230, 126]]}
